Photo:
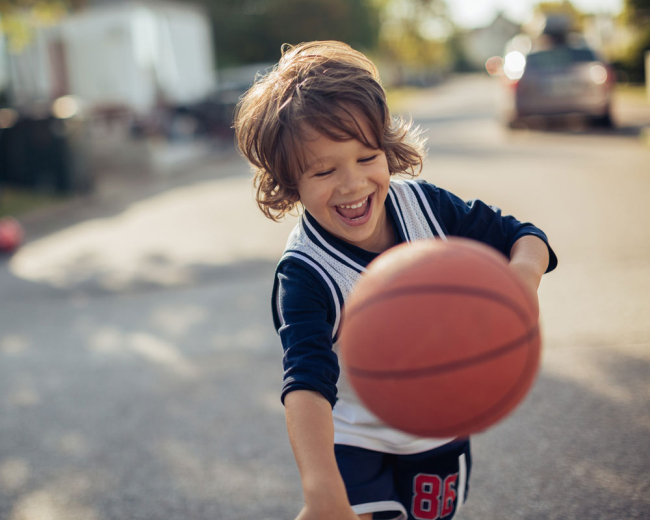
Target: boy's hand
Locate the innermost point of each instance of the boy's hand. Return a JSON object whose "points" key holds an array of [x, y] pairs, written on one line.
{"points": [[529, 259], [528, 275], [530, 279], [328, 501], [311, 432]]}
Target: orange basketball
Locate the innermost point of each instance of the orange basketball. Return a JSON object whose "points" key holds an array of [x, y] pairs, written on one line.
{"points": [[440, 339]]}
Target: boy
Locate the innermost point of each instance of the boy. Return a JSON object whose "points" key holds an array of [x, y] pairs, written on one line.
{"points": [[318, 133]]}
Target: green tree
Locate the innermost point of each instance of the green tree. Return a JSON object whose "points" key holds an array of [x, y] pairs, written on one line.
{"points": [[637, 14], [20, 18], [638, 9], [414, 34], [248, 31], [564, 8]]}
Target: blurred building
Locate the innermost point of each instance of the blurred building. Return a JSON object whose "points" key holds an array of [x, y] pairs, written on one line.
{"points": [[118, 86], [136, 54], [485, 42]]}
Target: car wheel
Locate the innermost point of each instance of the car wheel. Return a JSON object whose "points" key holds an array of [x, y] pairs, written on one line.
{"points": [[603, 121]]}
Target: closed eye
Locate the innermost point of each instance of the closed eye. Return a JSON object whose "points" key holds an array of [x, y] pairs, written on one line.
{"points": [[323, 174], [367, 159]]}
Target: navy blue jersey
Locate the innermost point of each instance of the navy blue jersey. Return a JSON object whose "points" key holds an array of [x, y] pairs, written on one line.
{"points": [[318, 271]]}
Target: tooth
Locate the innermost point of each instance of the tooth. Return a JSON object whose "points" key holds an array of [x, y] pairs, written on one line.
{"points": [[354, 206]]}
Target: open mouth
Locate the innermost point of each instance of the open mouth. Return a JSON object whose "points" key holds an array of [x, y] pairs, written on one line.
{"points": [[356, 213]]}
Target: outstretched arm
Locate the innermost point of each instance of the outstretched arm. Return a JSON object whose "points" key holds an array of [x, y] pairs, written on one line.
{"points": [[311, 432], [529, 258]]}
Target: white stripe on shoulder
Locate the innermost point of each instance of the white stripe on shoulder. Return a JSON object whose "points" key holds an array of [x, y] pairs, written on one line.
{"points": [[337, 303], [398, 210], [331, 248], [277, 309], [427, 206]]}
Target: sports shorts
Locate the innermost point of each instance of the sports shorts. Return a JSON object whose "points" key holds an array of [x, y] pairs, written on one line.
{"points": [[431, 485]]}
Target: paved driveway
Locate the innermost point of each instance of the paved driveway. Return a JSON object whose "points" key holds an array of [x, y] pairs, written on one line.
{"points": [[139, 371]]}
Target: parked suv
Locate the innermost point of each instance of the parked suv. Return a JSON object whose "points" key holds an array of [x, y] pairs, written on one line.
{"points": [[559, 81]]}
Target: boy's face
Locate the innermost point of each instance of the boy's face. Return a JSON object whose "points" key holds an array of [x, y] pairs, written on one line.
{"points": [[344, 187]]}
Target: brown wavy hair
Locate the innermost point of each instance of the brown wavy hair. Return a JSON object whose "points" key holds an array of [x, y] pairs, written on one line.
{"points": [[325, 85]]}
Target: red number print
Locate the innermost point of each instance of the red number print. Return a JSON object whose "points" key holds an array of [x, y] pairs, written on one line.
{"points": [[431, 498], [426, 497], [449, 496]]}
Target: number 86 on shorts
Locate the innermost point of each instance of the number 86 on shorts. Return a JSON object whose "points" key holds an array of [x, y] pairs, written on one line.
{"points": [[432, 498]]}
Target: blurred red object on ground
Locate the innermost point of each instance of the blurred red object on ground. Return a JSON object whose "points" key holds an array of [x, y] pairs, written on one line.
{"points": [[11, 234]]}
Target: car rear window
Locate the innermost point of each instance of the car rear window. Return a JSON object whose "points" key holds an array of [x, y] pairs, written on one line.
{"points": [[560, 57]]}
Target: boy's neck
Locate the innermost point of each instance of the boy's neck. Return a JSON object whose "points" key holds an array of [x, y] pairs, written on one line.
{"points": [[386, 238]]}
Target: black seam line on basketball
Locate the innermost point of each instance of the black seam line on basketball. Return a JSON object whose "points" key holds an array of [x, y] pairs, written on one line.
{"points": [[498, 407], [446, 367], [441, 289]]}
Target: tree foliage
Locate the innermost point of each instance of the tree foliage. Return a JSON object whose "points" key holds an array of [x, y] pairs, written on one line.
{"points": [[638, 5], [637, 15], [637, 12], [414, 32], [20, 18], [564, 8], [409, 32], [248, 31]]}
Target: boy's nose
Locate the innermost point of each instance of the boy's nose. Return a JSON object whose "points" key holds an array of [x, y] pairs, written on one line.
{"points": [[352, 181]]}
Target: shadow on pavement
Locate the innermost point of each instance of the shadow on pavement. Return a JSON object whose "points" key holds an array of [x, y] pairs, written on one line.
{"points": [[572, 451], [116, 190], [150, 419], [146, 407]]}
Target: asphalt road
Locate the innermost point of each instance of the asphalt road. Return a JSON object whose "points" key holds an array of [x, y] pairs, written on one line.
{"points": [[140, 373]]}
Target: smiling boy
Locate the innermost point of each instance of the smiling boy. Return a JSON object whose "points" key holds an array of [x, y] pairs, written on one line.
{"points": [[319, 136], [344, 186]]}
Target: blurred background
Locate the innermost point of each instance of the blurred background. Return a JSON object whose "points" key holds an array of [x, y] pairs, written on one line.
{"points": [[139, 369], [88, 85]]}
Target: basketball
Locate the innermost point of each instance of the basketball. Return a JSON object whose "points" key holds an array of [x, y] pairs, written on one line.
{"points": [[440, 338]]}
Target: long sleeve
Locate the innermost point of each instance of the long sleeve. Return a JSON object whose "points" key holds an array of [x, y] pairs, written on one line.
{"points": [[304, 320], [477, 220]]}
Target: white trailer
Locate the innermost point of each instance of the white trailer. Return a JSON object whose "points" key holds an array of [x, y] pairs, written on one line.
{"points": [[134, 54]]}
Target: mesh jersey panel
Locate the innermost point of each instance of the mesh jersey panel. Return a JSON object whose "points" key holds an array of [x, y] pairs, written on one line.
{"points": [[415, 221]]}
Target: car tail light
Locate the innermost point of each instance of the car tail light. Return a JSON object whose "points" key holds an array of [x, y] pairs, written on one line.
{"points": [[513, 84], [598, 73]]}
